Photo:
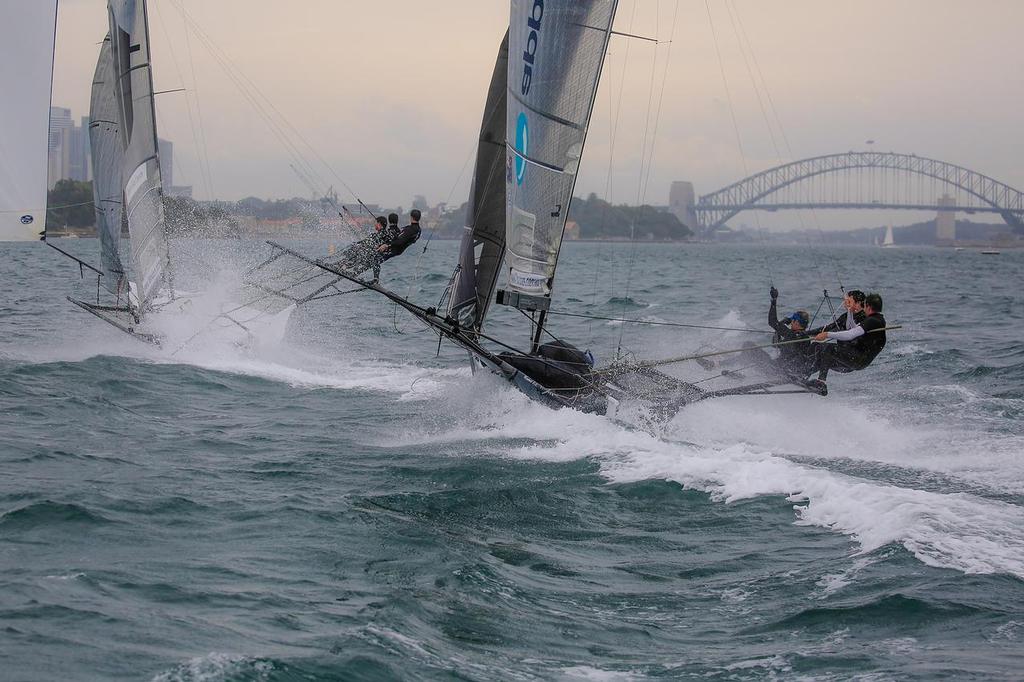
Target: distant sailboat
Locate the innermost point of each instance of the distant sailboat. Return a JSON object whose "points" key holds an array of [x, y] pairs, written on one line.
{"points": [[127, 185], [128, 190], [888, 241], [27, 32]]}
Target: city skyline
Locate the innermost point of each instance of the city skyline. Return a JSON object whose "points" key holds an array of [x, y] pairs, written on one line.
{"points": [[402, 121], [69, 153]]}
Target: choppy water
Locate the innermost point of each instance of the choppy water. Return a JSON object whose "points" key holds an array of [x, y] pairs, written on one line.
{"points": [[348, 506]]}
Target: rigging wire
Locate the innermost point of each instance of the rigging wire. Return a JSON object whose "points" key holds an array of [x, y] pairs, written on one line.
{"points": [[654, 323], [199, 149], [736, 130], [661, 95], [614, 113], [782, 132], [204, 158], [281, 126], [764, 114], [641, 188], [624, 368]]}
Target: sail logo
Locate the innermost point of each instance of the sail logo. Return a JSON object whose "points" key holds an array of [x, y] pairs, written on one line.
{"points": [[522, 146], [27, 219], [532, 39]]}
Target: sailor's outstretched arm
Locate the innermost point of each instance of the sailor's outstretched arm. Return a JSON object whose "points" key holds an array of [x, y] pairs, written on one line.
{"points": [[846, 335]]}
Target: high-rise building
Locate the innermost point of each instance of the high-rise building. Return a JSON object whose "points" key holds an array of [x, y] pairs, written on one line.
{"points": [[59, 147], [80, 154], [945, 222], [69, 154]]}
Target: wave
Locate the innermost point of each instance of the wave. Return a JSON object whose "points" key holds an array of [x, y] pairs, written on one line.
{"points": [[731, 449], [49, 513], [889, 611], [219, 667]]}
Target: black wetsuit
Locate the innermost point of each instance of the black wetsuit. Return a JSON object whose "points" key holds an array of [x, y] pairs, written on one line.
{"points": [[389, 233], [409, 234], [853, 355], [795, 359]]}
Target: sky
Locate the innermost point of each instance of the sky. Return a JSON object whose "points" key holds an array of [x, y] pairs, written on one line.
{"points": [[383, 99]]}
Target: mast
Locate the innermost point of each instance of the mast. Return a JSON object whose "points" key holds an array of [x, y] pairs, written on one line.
{"points": [[557, 50]]}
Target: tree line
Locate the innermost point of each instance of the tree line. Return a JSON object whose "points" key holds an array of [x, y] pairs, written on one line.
{"points": [[597, 219]]}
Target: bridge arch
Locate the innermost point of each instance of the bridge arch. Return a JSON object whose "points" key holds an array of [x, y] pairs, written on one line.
{"points": [[714, 209]]}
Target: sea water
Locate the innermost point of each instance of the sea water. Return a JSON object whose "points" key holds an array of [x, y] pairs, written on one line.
{"points": [[348, 504]]}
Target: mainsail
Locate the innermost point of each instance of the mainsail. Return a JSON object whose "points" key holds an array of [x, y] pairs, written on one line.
{"points": [[107, 160], [483, 244], [143, 188], [27, 29], [557, 51]]}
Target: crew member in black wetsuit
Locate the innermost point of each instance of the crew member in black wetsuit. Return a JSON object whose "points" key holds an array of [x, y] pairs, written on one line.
{"points": [[409, 234], [364, 254], [795, 359], [854, 315], [863, 344], [376, 240], [391, 231]]}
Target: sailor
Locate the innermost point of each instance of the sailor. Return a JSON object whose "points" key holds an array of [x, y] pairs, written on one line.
{"points": [[795, 359], [406, 237], [853, 301], [377, 239], [364, 254], [380, 227], [863, 344], [392, 230]]}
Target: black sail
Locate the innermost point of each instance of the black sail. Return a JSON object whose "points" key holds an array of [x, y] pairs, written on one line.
{"points": [[483, 244]]}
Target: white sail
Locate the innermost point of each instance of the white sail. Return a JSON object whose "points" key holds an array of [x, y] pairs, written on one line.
{"points": [[888, 241], [143, 188], [27, 29], [556, 53]]}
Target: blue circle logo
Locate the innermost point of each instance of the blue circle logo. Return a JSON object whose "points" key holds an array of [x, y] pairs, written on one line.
{"points": [[522, 145], [26, 219]]}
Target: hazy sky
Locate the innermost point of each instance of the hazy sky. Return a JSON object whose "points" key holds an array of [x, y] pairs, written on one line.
{"points": [[390, 93]]}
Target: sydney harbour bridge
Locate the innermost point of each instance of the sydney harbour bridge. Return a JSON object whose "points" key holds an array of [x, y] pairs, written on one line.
{"points": [[855, 180]]}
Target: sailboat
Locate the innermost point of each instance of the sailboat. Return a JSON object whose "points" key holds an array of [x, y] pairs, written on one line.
{"points": [[888, 241], [127, 185], [27, 30], [128, 193], [532, 136]]}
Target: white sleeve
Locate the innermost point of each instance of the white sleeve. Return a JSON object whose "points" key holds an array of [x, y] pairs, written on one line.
{"points": [[848, 335]]}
